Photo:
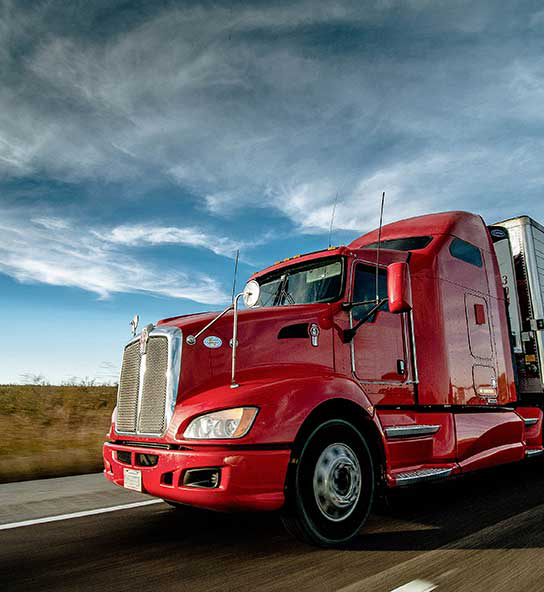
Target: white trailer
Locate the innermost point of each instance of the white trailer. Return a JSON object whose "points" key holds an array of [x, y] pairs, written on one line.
{"points": [[526, 297]]}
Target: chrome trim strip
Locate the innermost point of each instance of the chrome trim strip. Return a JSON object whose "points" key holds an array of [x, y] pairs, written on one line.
{"points": [[413, 344], [531, 453], [410, 431], [234, 342], [422, 475], [175, 343], [352, 347], [530, 421], [350, 291]]}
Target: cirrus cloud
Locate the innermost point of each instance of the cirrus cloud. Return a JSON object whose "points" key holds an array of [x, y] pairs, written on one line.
{"points": [[281, 107], [58, 252]]}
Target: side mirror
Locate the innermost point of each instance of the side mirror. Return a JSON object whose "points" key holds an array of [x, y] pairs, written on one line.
{"points": [[251, 293], [399, 291]]}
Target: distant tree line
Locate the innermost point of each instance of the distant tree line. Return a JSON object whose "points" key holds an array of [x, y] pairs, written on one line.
{"points": [[32, 378]]}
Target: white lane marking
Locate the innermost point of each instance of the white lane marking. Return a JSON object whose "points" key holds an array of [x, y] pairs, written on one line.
{"points": [[416, 586], [78, 514]]}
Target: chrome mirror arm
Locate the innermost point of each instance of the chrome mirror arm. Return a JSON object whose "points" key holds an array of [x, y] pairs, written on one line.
{"points": [[249, 291], [234, 340], [191, 339]]}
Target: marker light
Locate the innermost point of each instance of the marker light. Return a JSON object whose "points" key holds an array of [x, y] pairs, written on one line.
{"points": [[221, 425]]}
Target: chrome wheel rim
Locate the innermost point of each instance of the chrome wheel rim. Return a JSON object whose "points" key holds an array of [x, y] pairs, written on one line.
{"points": [[337, 482]]}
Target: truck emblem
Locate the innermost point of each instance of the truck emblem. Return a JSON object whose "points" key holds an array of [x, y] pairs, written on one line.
{"points": [[314, 334], [213, 342], [498, 232], [144, 338]]}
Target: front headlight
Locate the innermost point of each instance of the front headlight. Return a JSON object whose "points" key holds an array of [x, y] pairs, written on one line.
{"points": [[221, 425]]}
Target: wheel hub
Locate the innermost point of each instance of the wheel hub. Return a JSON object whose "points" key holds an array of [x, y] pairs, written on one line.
{"points": [[337, 481]]}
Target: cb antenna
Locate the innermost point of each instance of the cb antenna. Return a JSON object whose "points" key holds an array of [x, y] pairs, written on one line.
{"points": [[332, 219], [235, 274], [378, 253]]}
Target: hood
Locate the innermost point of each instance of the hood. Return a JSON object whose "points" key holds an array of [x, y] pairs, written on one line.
{"points": [[268, 338]]}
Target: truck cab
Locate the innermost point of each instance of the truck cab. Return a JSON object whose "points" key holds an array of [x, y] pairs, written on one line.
{"points": [[380, 364]]}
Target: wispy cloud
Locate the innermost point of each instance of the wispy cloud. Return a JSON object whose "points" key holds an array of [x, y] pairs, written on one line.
{"points": [[147, 234], [53, 251], [51, 223], [281, 106]]}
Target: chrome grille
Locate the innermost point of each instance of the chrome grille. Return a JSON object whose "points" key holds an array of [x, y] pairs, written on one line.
{"points": [[153, 402], [148, 383], [129, 385]]}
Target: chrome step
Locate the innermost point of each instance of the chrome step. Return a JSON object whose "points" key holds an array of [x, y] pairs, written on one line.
{"points": [[531, 453], [422, 475]]}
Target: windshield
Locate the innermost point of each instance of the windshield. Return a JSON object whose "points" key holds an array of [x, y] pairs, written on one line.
{"points": [[319, 281]]}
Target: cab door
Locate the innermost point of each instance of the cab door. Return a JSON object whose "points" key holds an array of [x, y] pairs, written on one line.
{"points": [[380, 351]]}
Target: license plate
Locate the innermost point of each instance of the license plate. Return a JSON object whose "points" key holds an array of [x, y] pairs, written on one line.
{"points": [[133, 479]]}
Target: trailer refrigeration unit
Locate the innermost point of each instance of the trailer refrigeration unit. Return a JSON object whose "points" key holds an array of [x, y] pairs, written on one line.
{"points": [[351, 370]]}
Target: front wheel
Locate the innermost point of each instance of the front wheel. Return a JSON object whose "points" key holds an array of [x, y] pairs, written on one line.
{"points": [[330, 486]]}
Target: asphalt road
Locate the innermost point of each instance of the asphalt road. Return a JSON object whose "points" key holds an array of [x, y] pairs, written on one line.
{"points": [[480, 533]]}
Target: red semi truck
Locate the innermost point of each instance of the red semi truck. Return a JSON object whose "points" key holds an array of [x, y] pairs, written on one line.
{"points": [[389, 362]]}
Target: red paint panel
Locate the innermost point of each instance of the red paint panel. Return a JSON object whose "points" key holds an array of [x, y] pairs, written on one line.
{"points": [[479, 332], [488, 439], [378, 345], [533, 433], [407, 452]]}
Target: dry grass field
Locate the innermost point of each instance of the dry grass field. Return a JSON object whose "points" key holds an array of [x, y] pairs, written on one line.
{"points": [[50, 431]]}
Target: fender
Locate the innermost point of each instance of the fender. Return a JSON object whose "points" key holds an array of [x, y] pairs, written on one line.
{"points": [[284, 405]]}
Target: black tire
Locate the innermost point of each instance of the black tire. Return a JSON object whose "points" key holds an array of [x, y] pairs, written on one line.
{"points": [[328, 512]]}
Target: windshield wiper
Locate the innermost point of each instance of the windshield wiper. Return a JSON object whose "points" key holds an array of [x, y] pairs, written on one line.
{"points": [[282, 292]]}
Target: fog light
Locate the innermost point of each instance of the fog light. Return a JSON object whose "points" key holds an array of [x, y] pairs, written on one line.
{"points": [[202, 478], [146, 460], [167, 478], [124, 457]]}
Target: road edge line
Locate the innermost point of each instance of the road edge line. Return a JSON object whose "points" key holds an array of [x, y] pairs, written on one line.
{"points": [[83, 513]]}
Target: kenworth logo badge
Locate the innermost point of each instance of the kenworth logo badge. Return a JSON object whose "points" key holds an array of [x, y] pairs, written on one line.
{"points": [[213, 342], [144, 338]]}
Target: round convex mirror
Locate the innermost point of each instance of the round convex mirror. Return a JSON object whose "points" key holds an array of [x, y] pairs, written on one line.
{"points": [[251, 293]]}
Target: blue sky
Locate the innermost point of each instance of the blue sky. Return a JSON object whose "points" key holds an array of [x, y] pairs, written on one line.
{"points": [[142, 143]]}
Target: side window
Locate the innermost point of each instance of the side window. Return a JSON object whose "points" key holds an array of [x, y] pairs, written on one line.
{"points": [[468, 253], [364, 290]]}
